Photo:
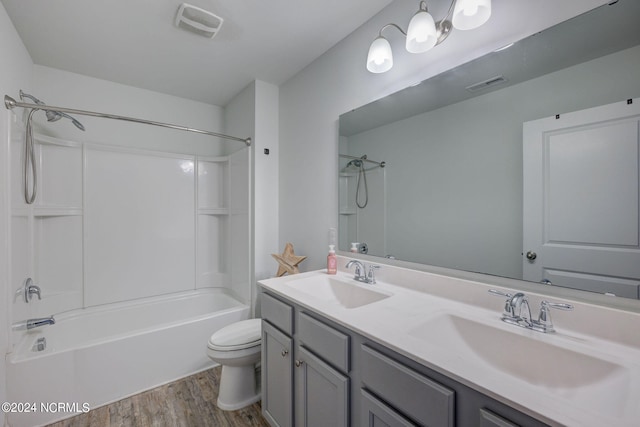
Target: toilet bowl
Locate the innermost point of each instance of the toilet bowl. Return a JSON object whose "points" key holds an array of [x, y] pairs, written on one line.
{"points": [[237, 348]]}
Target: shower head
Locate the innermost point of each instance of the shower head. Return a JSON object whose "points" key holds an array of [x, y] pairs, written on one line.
{"points": [[355, 164], [74, 121], [52, 116]]}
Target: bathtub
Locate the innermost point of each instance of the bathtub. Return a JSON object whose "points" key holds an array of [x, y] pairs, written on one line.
{"points": [[101, 354]]}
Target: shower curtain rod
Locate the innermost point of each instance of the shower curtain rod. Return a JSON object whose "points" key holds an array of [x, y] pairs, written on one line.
{"points": [[11, 103], [346, 156]]}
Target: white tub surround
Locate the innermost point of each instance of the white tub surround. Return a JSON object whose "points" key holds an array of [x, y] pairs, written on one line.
{"points": [[103, 354], [585, 374]]}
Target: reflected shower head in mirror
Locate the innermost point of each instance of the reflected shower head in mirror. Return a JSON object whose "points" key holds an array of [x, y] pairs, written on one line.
{"points": [[354, 165], [52, 116]]}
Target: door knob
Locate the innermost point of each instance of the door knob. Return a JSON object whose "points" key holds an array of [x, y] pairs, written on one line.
{"points": [[299, 363], [284, 352], [531, 256]]}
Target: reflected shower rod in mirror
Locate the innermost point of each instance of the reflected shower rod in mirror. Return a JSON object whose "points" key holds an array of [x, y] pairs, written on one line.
{"points": [[11, 103], [363, 158]]}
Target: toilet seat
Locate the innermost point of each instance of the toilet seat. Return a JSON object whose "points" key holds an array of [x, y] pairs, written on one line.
{"points": [[237, 336]]}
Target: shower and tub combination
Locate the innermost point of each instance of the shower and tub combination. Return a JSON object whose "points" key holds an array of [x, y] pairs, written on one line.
{"points": [[124, 261]]}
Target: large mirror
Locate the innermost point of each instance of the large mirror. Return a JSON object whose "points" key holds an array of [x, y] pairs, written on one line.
{"points": [[433, 174]]}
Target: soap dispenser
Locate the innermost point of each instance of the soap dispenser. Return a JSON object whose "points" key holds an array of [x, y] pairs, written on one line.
{"points": [[332, 261]]}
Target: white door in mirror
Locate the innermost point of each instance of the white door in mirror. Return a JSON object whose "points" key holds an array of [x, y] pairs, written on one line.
{"points": [[580, 199]]}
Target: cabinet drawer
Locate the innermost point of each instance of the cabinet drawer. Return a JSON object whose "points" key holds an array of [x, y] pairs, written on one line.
{"points": [[375, 413], [489, 419], [415, 395], [328, 343], [277, 313]]}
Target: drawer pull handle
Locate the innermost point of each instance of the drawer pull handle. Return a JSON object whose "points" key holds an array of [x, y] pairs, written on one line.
{"points": [[299, 363], [284, 352]]}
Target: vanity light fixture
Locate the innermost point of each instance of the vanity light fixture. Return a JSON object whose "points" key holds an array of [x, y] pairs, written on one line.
{"points": [[424, 32]]}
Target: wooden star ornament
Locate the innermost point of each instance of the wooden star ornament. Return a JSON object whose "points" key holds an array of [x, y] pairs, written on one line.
{"points": [[288, 261]]}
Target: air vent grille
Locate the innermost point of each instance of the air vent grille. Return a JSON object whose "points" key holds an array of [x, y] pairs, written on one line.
{"points": [[486, 84], [198, 21]]}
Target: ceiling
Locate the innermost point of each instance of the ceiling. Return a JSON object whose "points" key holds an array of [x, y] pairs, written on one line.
{"points": [[135, 42]]}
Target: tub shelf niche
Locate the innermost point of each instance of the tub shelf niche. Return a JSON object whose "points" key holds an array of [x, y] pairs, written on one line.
{"points": [[212, 203]]}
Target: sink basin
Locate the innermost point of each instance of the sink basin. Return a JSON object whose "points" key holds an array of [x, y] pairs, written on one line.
{"points": [[330, 289], [495, 350]]}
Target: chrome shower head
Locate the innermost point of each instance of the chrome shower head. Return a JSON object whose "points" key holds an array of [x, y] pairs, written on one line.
{"points": [[52, 116], [74, 121]]}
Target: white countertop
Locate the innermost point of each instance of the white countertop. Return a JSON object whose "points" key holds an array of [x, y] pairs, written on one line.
{"points": [[413, 322]]}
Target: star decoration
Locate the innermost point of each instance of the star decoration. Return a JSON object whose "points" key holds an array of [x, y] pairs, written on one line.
{"points": [[288, 261]]}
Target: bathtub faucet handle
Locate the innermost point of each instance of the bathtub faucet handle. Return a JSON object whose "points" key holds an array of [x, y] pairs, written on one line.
{"points": [[30, 289]]}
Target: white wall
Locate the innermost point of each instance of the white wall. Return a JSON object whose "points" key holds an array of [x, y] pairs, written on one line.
{"points": [[239, 120], [254, 112], [266, 180], [337, 82], [16, 69], [65, 89], [457, 171]]}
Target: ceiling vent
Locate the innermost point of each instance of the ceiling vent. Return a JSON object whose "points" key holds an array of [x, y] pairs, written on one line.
{"points": [[493, 81], [199, 21]]}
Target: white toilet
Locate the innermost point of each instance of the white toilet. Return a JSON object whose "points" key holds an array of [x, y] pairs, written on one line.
{"points": [[237, 348]]}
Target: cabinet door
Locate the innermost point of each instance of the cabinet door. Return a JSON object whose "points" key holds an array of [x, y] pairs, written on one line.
{"points": [[322, 397], [277, 377]]}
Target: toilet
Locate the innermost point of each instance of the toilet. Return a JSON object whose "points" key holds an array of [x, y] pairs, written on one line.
{"points": [[237, 348]]}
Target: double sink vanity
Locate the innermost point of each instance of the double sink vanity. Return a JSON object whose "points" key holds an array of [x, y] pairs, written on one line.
{"points": [[417, 348]]}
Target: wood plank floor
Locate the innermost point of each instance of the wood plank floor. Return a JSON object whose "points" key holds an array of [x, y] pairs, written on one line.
{"points": [[189, 402]]}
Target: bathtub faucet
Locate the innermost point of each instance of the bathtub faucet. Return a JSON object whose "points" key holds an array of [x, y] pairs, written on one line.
{"points": [[36, 323]]}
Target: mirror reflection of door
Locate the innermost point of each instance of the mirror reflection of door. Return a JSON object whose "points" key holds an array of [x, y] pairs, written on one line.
{"points": [[570, 239]]}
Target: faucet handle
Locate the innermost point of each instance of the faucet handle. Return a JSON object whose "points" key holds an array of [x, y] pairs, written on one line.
{"points": [[544, 322], [371, 276], [30, 289], [499, 293]]}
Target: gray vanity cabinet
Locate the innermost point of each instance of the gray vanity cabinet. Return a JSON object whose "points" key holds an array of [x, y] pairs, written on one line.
{"points": [[309, 357], [343, 379]]}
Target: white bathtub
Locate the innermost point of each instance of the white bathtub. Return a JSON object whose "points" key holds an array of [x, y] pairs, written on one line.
{"points": [[101, 354]]}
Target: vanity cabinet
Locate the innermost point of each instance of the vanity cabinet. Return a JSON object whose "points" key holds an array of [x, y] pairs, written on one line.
{"points": [[318, 373], [309, 357]]}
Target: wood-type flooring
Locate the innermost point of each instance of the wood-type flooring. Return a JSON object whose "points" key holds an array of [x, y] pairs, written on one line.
{"points": [[188, 402]]}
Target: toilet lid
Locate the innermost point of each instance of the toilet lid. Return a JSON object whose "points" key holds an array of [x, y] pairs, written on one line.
{"points": [[239, 335]]}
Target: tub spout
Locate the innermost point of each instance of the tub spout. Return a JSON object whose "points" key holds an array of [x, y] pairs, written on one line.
{"points": [[36, 323]]}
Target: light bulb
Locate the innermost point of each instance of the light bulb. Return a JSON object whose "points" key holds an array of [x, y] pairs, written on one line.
{"points": [[380, 58], [470, 14]]}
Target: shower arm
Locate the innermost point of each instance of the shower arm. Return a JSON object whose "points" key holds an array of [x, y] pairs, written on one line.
{"points": [[346, 156], [11, 103]]}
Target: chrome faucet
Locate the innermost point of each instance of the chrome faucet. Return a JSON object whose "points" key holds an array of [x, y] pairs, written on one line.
{"points": [[36, 323], [361, 274], [515, 314]]}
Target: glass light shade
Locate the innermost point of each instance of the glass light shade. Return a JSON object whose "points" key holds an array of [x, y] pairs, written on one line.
{"points": [[421, 34], [380, 58], [470, 14]]}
